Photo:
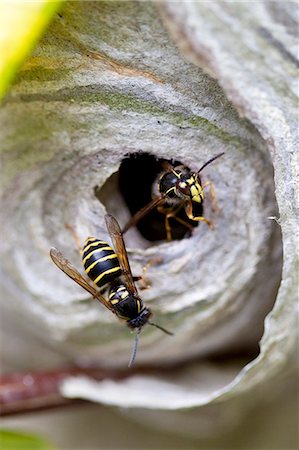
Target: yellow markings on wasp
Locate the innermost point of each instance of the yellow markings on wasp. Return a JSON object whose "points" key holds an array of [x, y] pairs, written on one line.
{"points": [[95, 251], [105, 258], [196, 199], [196, 193], [93, 244], [169, 190], [138, 305], [91, 239], [107, 272], [114, 302], [177, 174], [121, 288], [122, 292]]}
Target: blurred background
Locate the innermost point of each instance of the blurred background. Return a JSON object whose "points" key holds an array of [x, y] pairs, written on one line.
{"points": [[82, 83]]}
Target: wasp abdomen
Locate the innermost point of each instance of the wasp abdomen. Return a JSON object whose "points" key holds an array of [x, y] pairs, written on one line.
{"points": [[100, 261]]}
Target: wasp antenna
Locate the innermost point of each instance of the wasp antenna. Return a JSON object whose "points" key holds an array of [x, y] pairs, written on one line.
{"points": [[161, 328], [133, 356], [210, 160]]}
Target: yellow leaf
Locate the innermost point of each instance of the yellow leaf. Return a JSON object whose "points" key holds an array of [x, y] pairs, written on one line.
{"points": [[21, 25], [18, 440]]}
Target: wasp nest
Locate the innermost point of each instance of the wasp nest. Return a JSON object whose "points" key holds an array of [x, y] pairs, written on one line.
{"points": [[108, 83]]}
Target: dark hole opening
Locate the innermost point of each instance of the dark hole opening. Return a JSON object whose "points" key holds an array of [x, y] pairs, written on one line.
{"points": [[137, 174]]}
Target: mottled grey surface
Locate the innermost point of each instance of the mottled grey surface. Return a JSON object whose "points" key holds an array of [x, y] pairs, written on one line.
{"points": [[253, 53], [107, 80]]}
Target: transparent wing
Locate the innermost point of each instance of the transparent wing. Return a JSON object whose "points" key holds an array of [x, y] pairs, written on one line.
{"points": [[66, 267], [120, 249], [142, 212]]}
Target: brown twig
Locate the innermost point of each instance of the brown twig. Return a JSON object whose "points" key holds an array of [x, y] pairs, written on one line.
{"points": [[32, 391]]}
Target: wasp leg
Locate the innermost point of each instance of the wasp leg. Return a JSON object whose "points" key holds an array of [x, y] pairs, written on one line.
{"points": [[145, 283], [178, 219], [208, 222], [168, 215], [102, 290], [188, 210], [173, 215], [137, 278], [161, 209], [168, 228], [150, 263], [183, 222], [212, 194]]}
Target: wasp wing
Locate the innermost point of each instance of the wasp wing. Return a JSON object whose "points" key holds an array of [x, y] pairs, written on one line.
{"points": [[66, 267], [142, 212], [120, 249]]}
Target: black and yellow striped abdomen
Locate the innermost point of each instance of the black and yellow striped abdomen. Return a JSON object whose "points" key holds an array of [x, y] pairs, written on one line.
{"points": [[100, 261]]}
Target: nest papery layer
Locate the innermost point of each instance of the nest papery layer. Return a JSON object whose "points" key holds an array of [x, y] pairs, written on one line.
{"points": [[87, 98]]}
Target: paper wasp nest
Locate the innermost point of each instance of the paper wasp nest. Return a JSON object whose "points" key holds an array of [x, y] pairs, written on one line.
{"points": [[114, 85]]}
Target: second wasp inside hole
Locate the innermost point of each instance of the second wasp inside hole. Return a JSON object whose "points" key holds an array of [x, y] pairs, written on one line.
{"points": [[137, 181]]}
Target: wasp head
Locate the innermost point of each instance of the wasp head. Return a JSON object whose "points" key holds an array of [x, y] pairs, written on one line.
{"points": [[188, 187], [141, 319]]}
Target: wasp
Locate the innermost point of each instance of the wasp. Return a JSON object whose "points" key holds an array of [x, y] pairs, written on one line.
{"points": [[178, 187], [110, 268]]}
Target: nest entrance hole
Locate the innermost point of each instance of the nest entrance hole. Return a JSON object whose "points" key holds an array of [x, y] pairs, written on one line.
{"points": [[137, 174]]}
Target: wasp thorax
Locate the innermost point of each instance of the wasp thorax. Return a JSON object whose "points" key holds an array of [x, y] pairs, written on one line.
{"points": [[126, 305]]}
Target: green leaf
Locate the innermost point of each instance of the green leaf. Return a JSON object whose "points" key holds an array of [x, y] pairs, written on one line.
{"points": [[21, 25], [15, 440]]}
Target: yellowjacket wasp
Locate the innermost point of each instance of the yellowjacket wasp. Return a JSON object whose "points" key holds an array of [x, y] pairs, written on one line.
{"points": [[178, 187], [104, 266]]}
